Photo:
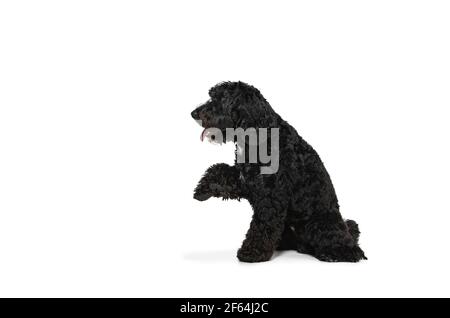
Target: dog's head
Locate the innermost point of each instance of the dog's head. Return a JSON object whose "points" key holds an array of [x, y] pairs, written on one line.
{"points": [[234, 105]]}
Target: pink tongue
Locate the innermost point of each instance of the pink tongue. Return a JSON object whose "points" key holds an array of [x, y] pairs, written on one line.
{"points": [[202, 136]]}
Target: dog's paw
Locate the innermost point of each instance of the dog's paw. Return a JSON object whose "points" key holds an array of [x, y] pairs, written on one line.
{"points": [[203, 191], [202, 196], [341, 254], [253, 256]]}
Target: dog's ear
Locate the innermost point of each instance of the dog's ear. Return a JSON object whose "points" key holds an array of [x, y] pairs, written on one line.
{"points": [[228, 101], [233, 100], [225, 94], [252, 110]]}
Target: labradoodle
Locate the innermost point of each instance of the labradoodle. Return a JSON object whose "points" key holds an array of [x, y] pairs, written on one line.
{"points": [[295, 207]]}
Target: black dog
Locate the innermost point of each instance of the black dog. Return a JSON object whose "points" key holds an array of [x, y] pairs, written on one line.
{"points": [[296, 207]]}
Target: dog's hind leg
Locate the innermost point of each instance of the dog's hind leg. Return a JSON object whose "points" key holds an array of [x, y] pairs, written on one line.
{"points": [[221, 181], [334, 240]]}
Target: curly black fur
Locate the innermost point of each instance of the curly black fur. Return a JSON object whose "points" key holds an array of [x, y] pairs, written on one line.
{"points": [[295, 208]]}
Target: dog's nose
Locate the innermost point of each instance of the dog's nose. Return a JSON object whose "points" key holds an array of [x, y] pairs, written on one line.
{"points": [[195, 114]]}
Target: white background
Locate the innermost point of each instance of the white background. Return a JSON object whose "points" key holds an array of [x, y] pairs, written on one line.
{"points": [[99, 154]]}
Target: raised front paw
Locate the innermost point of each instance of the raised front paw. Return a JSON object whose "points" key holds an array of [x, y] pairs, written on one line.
{"points": [[220, 180], [202, 192], [205, 190], [253, 255]]}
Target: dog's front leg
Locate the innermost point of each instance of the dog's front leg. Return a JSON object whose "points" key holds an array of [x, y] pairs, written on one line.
{"points": [[221, 181], [265, 231]]}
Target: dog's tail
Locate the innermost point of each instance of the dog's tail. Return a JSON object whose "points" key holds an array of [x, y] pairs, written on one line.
{"points": [[353, 228]]}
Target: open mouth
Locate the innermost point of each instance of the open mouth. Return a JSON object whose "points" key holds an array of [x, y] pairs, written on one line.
{"points": [[213, 135], [204, 134]]}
